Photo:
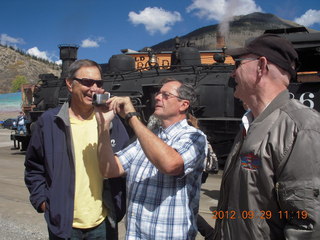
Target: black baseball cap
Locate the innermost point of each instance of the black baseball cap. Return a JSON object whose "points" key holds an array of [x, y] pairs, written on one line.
{"points": [[275, 48]]}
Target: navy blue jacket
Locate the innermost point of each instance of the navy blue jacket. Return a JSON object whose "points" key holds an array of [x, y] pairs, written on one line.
{"points": [[50, 170]]}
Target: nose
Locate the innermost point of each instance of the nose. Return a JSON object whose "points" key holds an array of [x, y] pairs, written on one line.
{"points": [[233, 73], [157, 96], [94, 87]]}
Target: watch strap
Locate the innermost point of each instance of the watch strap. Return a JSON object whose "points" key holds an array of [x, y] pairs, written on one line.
{"points": [[130, 115]]}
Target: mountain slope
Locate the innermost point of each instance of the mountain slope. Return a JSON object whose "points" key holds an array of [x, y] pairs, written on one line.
{"points": [[240, 29], [13, 63]]}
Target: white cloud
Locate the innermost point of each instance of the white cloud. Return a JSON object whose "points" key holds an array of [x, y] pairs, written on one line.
{"points": [[5, 39], [155, 19], [309, 18], [37, 53], [58, 62], [220, 10], [92, 42]]}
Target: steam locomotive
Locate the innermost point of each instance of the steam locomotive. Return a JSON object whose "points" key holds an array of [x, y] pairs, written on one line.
{"points": [[218, 112]]}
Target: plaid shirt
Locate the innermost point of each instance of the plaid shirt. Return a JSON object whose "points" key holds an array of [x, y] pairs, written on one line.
{"points": [[162, 206]]}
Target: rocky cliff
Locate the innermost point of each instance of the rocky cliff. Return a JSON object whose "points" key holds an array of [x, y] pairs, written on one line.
{"points": [[13, 63]]}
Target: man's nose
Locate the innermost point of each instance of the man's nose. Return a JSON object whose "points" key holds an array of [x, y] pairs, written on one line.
{"points": [[94, 87], [157, 97], [233, 73]]}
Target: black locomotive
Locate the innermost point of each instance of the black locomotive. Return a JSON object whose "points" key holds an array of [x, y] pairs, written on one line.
{"points": [[218, 111]]}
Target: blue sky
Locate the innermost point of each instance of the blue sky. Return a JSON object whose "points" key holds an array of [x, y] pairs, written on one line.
{"points": [[103, 27]]}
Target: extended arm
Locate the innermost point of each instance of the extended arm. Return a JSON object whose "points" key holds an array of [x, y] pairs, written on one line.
{"points": [[164, 157], [109, 164]]}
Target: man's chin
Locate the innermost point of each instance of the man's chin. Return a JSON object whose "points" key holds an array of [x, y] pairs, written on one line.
{"points": [[236, 94]]}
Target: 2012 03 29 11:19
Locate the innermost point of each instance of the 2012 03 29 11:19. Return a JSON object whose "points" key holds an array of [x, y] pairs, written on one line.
{"points": [[262, 214]]}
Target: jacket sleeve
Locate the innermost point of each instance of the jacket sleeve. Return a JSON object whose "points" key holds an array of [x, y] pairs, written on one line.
{"points": [[298, 187], [35, 169], [117, 186]]}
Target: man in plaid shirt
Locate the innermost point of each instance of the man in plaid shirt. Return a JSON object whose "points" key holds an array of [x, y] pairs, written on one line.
{"points": [[163, 166]]}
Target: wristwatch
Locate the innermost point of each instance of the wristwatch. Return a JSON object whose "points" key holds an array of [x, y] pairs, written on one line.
{"points": [[130, 115]]}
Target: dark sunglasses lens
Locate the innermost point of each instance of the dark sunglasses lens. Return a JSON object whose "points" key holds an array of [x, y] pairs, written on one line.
{"points": [[90, 82], [99, 84], [87, 83]]}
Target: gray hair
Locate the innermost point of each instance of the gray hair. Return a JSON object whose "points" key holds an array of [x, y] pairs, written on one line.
{"points": [[75, 66]]}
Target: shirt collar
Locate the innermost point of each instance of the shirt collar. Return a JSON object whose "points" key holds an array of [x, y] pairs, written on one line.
{"points": [[247, 119], [172, 129]]}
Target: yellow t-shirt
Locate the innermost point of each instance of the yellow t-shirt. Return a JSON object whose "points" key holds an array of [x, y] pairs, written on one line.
{"points": [[89, 210]]}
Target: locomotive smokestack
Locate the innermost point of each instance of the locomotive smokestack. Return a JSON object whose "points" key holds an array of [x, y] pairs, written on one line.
{"points": [[220, 41], [68, 54]]}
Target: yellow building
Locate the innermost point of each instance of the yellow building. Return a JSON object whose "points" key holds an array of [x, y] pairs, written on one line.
{"points": [[163, 58]]}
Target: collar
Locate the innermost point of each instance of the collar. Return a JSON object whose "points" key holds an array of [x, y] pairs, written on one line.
{"points": [[247, 119], [167, 133], [276, 103], [63, 114]]}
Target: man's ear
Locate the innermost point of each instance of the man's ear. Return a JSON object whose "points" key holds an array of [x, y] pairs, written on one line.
{"points": [[263, 65], [69, 84], [185, 104]]}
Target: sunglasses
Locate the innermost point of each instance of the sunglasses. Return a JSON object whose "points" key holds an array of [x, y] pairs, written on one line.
{"points": [[238, 61], [167, 95], [89, 82]]}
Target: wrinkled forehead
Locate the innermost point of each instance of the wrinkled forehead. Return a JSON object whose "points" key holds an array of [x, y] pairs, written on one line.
{"points": [[171, 86]]}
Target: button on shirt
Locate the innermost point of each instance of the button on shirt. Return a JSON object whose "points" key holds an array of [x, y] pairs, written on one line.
{"points": [[162, 206]]}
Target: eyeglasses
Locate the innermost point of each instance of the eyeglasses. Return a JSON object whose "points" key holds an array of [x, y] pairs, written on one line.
{"points": [[238, 61], [167, 95], [89, 82]]}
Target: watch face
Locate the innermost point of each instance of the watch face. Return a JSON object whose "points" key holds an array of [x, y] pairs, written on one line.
{"points": [[131, 114]]}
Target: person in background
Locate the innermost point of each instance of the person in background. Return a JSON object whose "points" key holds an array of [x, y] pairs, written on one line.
{"points": [[62, 167], [21, 123], [210, 166], [271, 182], [163, 166]]}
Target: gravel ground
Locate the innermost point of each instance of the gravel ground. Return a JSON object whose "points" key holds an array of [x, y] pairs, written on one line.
{"points": [[11, 230]]}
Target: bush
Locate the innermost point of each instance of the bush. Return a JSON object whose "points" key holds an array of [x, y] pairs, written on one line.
{"points": [[17, 82]]}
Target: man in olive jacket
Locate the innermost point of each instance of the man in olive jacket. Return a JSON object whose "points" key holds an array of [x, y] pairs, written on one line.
{"points": [[271, 181]]}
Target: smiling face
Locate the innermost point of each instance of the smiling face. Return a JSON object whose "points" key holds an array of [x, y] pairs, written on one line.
{"points": [[81, 94], [168, 105]]}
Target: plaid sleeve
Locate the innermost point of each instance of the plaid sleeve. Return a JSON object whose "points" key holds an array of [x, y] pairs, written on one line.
{"points": [[127, 155], [193, 149]]}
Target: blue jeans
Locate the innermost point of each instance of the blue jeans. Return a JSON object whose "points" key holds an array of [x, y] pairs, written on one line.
{"points": [[22, 128], [103, 231]]}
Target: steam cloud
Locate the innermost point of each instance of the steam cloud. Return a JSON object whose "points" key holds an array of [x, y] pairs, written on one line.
{"points": [[223, 10]]}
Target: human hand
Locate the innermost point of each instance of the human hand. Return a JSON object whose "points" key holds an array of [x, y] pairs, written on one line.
{"points": [[43, 206], [104, 116], [121, 105]]}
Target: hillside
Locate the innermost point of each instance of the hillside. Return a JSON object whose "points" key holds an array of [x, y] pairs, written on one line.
{"points": [[240, 29], [13, 63]]}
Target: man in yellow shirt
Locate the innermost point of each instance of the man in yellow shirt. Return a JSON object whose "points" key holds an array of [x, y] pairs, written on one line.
{"points": [[62, 170]]}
